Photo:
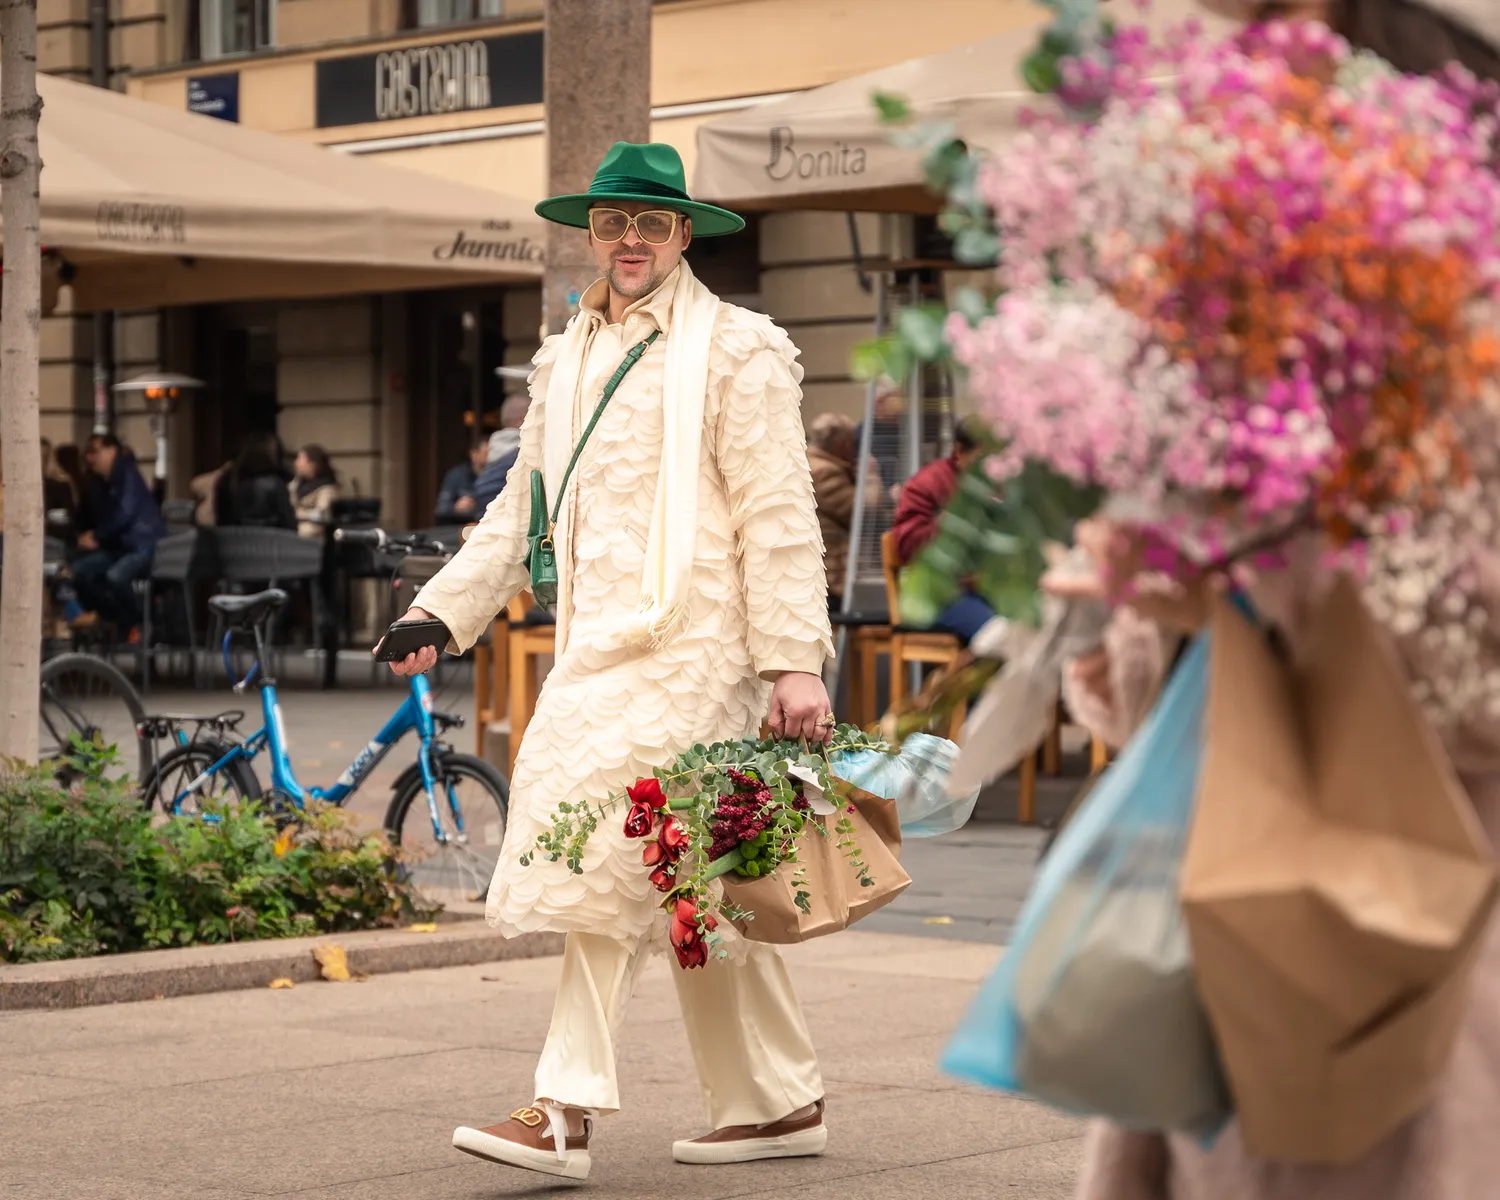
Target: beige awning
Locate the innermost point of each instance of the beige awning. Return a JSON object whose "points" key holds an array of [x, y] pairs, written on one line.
{"points": [[154, 206], [826, 148]]}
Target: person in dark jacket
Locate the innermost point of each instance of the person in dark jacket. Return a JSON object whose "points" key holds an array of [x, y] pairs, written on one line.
{"points": [[455, 501], [126, 524], [253, 491], [918, 512], [504, 447]]}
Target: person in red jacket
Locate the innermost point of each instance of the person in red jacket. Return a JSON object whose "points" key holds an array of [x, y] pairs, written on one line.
{"points": [[923, 499]]}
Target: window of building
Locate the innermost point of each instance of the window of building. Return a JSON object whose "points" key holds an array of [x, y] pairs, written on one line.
{"points": [[229, 27], [431, 14]]}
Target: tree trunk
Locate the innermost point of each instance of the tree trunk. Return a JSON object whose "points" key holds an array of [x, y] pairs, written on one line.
{"points": [[20, 417]]}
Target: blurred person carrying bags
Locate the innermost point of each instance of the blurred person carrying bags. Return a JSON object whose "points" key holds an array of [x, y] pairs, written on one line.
{"points": [[1336, 885]]}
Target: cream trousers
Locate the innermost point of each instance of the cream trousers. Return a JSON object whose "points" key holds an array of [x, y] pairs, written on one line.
{"points": [[755, 1059]]}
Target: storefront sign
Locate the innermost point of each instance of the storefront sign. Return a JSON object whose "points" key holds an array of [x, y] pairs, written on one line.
{"points": [[215, 96], [829, 160], [496, 242], [432, 80], [148, 224]]}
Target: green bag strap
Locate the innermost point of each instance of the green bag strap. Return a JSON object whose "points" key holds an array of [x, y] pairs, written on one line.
{"points": [[609, 390]]}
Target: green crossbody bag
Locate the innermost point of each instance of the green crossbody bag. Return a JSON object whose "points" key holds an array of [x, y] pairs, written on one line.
{"points": [[542, 559]]}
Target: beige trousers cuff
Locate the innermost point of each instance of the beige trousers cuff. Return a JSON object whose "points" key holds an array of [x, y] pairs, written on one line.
{"points": [[755, 1059]]}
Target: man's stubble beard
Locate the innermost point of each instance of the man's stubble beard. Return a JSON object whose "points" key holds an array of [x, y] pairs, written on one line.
{"points": [[654, 279]]}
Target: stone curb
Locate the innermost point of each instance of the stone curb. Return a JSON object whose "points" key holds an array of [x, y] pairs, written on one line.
{"points": [[194, 970]]}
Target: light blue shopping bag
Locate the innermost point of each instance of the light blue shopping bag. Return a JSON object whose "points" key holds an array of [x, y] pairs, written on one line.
{"points": [[916, 778], [1094, 1008]]}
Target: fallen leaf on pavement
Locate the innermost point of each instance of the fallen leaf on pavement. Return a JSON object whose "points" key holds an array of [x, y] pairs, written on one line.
{"points": [[280, 984], [422, 927], [938, 921], [335, 965]]}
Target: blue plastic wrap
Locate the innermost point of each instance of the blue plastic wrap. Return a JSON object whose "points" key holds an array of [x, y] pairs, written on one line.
{"points": [[1094, 1008], [916, 779]]}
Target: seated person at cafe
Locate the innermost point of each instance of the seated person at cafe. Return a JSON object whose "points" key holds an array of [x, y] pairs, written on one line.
{"points": [[455, 499], [923, 499], [314, 488], [253, 490], [126, 524], [832, 447], [504, 446]]}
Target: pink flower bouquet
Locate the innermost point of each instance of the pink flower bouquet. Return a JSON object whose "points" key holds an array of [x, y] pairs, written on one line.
{"points": [[1251, 292]]}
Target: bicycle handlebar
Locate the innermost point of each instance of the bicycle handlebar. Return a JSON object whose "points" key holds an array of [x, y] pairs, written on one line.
{"points": [[402, 544]]}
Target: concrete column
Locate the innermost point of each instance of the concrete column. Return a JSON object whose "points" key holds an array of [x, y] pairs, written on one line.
{"points": [[598, 73]]}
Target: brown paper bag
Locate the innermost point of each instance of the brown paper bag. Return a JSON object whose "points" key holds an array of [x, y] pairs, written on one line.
{"points": [[836, 897], [1336, 886]]}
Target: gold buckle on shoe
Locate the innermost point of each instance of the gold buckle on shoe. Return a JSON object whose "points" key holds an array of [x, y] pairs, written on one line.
{"points": [[528, 1117]]}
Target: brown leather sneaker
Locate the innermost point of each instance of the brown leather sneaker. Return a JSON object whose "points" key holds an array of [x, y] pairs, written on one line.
{"points": [[527, 1141], [791, 1137]]}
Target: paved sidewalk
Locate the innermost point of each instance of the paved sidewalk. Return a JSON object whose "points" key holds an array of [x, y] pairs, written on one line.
{"points": [[334, 1091]]}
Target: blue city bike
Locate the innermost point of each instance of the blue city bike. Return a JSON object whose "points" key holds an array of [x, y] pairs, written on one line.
{"points": [[447, 809]]}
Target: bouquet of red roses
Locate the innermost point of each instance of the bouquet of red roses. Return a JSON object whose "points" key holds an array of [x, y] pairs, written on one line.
{"points": [[736, 807]]}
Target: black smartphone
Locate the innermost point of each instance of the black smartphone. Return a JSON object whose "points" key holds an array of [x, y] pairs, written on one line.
{"points": [[407, 637]]}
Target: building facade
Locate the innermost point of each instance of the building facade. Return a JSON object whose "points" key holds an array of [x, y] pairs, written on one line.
{"points": [[395, 385]]}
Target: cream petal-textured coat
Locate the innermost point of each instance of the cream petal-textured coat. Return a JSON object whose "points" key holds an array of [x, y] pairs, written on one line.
{"points": [[606, 717]]}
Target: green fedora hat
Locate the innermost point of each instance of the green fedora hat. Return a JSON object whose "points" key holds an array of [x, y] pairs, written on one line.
{"points": [[647, 174]]}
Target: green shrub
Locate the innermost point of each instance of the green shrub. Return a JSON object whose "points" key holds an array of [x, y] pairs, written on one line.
{"points": [[84, 871]]}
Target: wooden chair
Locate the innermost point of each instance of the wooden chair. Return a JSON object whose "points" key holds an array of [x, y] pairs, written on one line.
{"points": [[867, 638], [532, 635], [926, 646], [491, 679], [930, 647], [1099, 755]]}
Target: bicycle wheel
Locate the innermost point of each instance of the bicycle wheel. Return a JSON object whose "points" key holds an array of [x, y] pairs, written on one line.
{"points": [[90, 697], [457, 868], [234, 783]]}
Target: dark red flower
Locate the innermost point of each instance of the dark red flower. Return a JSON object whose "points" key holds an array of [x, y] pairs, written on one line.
{"points": [[691, 949], [663, 877], [674, 839], [647, 792], [646, 800], [692, 956], [639, 821]]}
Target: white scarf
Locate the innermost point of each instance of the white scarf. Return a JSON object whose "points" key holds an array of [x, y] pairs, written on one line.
{"points": [[672, 544]]}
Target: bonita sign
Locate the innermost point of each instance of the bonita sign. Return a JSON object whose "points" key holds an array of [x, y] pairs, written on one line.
{"points": [[787, 162]]}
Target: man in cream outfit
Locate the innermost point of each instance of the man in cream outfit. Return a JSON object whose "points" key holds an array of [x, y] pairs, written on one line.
{"points": [[691, 607]]}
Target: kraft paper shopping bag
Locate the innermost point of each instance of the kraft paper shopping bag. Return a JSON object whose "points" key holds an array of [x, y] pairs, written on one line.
{"points": [[836, 898], [1336, 886]]}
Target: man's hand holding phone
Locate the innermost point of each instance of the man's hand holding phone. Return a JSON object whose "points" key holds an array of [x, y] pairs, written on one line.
{"points": [[420, 660]]}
